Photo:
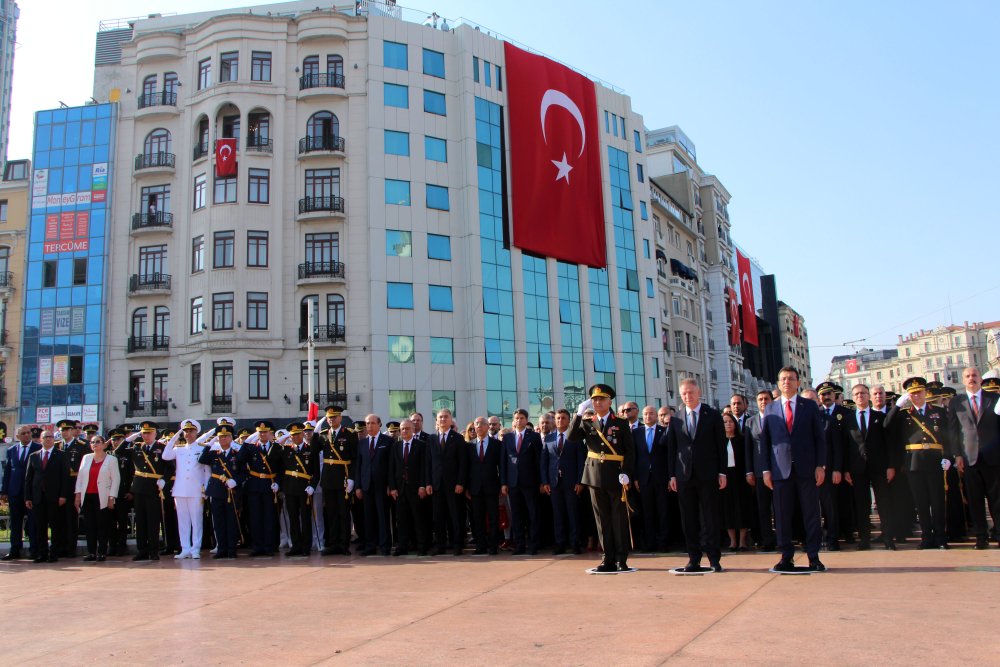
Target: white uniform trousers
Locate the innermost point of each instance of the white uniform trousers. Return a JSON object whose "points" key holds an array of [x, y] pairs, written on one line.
{"points": [[190, 518]]}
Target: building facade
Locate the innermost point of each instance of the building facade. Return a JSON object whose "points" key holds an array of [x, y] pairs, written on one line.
{"points": [[370, 198], [794, 340], [9, 13], [14, 201]]}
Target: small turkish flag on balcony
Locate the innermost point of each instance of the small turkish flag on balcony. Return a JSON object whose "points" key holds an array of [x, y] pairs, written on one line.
{"points": [[225, 157], [313, 411]]}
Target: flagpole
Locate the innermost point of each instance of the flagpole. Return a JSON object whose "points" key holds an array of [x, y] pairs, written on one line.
{"points": [[310, 351]]}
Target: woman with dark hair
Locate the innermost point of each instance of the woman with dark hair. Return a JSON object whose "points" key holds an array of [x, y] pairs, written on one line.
{"points": [[96, 491], [737, 497]]}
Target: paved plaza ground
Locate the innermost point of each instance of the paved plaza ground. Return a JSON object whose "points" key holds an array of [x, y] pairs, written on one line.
{"points": [[908, 607]]}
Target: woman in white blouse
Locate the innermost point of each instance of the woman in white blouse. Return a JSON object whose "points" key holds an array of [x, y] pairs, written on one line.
{"points": [[96, 490]]}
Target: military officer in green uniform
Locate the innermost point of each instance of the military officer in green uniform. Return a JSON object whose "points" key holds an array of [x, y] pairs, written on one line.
{"points": [[299, 477], [338, 447], [607, 471], [147, 492], [75, 449]]}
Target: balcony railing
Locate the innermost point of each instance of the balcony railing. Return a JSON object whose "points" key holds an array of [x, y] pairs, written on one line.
{"points": [[321, 80], [326, 142], [314, 204], [260, 145], [4, 338], [324, 333], [146, 409], [6, 279], [322, 400], [149, 281], [321, 270], [151, 160], [155, 219], [148, 343], [200, 150], [222, 404], [160, 99], [3, 398]]}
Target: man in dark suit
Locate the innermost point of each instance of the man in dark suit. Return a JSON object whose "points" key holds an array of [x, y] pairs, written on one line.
{"points": [[15, 469], [836, 443], [870, 465], [607, 471], [975, 430], [447, 475], [520, 480], [406, 486], [696, 463], [793, 449], [562, 469], [374, 449], [753, 457], [485, 456], [652, 479], [47, 490]]}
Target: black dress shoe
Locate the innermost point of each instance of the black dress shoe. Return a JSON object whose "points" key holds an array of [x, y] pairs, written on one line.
{"points": [[438, 551], [51, 559], [943, 545], [101, 558], [717, 566], [154, 556], [291, 553], [890, 545], [784, 566], [606, 567], [39, 559], [400, 552], [218, 556], [864, 546], [532, 552], [815, 565], [980, 544], [90, 558], [457, 552], [480, 551], [519, 551], [833, 546], [623, 567], [494, 551], [329, 551], [925, 545], [13, 555], [559, 551], [140, 557]]}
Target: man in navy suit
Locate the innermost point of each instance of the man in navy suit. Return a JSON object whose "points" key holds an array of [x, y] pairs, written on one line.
{"points": [[47, 490], [447, 475], [520, 477], [374, 449], [793, 450], [15, 468], [562, 469], [652, 478], [485, 455], [870, 464], [751, 433]]}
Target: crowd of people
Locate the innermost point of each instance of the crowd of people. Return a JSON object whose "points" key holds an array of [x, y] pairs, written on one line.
{"points": [[805, 467]]}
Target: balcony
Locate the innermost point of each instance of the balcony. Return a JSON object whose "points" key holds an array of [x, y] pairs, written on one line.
{"points": [[6, 280], [321, 207], [138, 344], [161, 99], [322, 400], [155, 162], [322, 80], [3, 398], [146, 409], [321, 145], [324, 333], [222, 404], [151, 221], [4, 338], [150, 283], [322, 271], [200, 151], [260, 145]]}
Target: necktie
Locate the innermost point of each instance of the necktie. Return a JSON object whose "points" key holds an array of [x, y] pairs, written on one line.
{"points": [[864, 425], [45, 459], [519, 436], [560, 445], [24, 452], [482, 453], [649, 438], [692, 423], [406, 451], [828, 411], [371, 447], [788, 415], [975, 407]]}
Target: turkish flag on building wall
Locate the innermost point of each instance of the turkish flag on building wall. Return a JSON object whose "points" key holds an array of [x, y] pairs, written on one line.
{"points": [[746, 298], [556, 188], [225, 157], [852, 366], [734, 316], [795, 326]]}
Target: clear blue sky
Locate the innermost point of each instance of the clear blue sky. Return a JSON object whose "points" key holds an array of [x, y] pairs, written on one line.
{"points": [[858, 139]]}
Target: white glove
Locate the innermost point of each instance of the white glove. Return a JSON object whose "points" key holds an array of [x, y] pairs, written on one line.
{"points": [[231, 483], [902, 400], [310, 490], [945, 464], [583, 407], [274, 486], [623, 478], [160, 484], [350, 485]]}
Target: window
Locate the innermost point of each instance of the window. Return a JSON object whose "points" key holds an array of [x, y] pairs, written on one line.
{"points": [[140, 318], [335, 69], [443, 399], [198, 254], [434, 63], [222, 380], [49, 271], [649, 288], [437, 197], [439, 298], [640, 173], [399, 295], [257, 310], [228, 66], [322, 184], [222, 311], [435, 149], [17, 170], [645, 248], [434, 103], [259, 131], [222, 253], [260, 185], [80, 271], [401, 349], [152, 260], [397, 143], [438, 247], [156, 145], [322, 129], [499, 80], [195, 383], [637, 138], [394, 55], [259, 372], [475, 69], [397, 192], [260, 66], [652, 327], [335, 310], [200, 191], [402, 403], [396, 96], [197, 315], [398, 243], [3, 211], [204, 73], [442, 351], [257, 243], [487, 74], [322, 248], [643, 213], [225, 190]]}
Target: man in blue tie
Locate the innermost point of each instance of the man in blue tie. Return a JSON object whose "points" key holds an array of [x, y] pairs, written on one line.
{"points": [[651, 479], [12, 491]]}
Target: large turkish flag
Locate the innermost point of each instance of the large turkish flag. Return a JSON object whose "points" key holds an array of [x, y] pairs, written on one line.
{"points": [[746, 297], [555, 150], [225, 157]]}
